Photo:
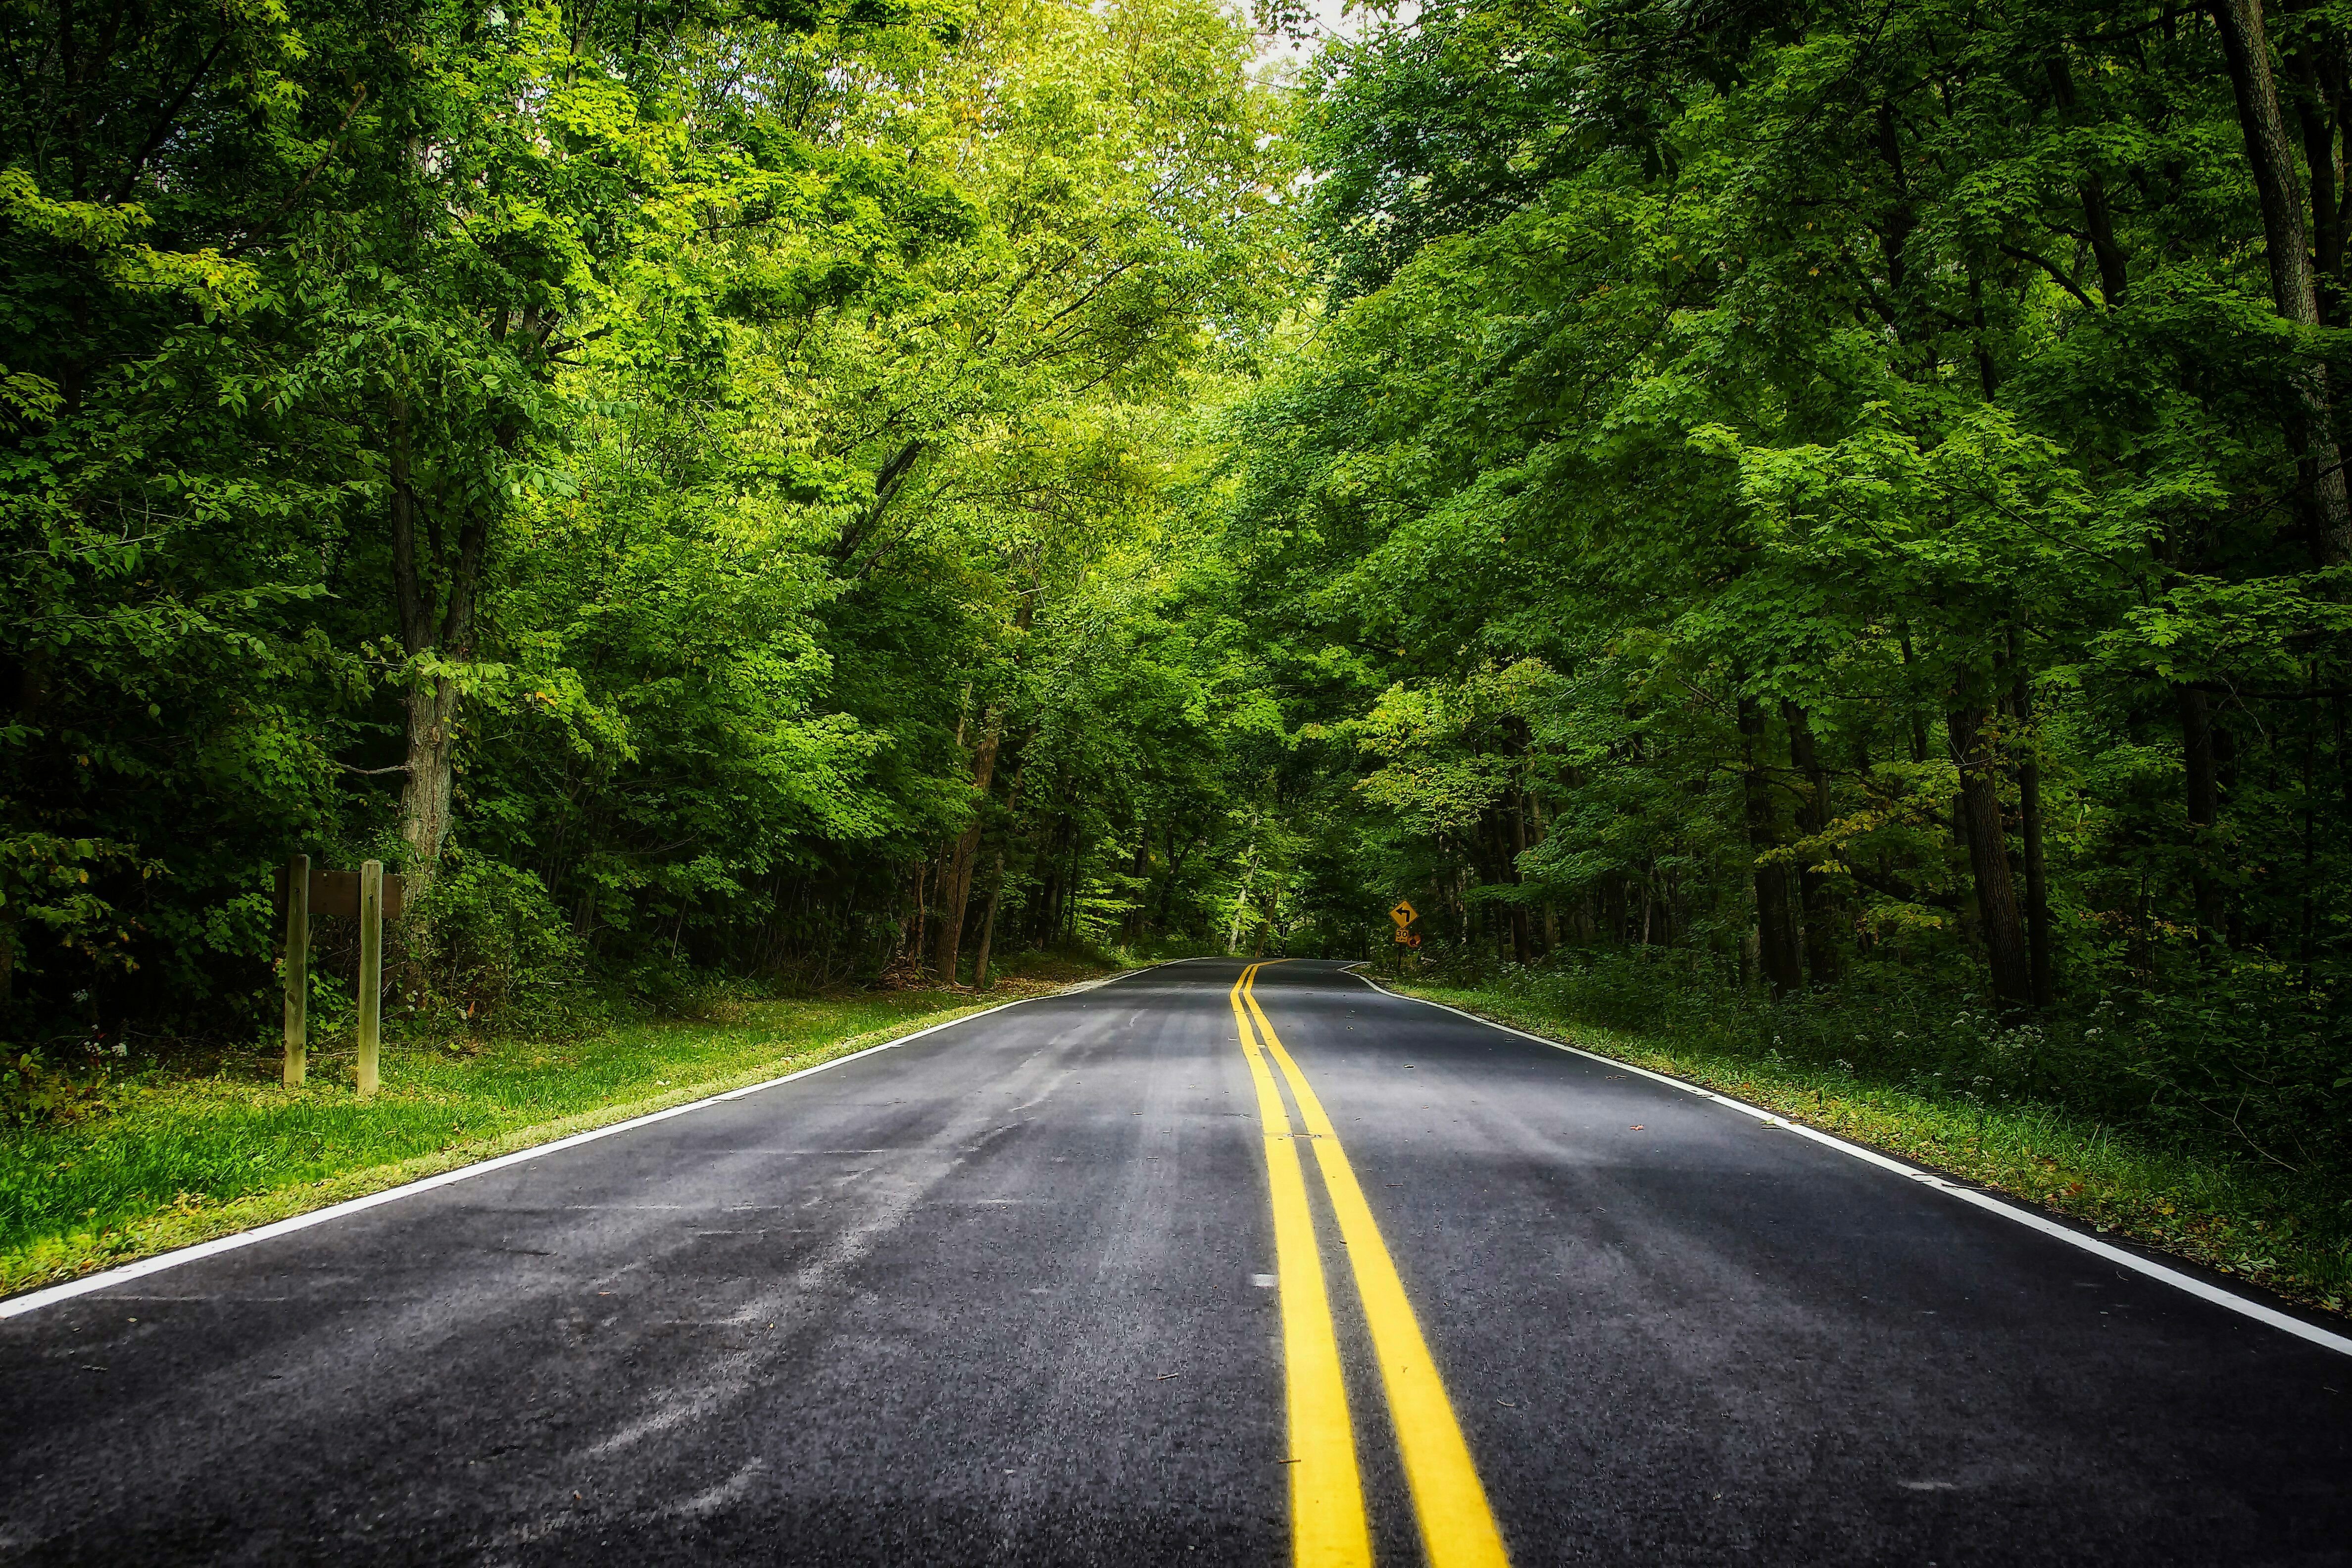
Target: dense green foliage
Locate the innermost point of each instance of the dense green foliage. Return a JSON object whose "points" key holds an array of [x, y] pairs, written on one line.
{"points": [[651, 472], [1843, 501], [1825, 509]]}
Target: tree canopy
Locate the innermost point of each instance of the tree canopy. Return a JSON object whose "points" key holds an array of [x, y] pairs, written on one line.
{"points": [[1810, 499]]}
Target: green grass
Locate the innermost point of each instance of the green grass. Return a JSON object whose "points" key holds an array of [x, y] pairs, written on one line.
{"points": [[2292, 1237], [168, 1162]]}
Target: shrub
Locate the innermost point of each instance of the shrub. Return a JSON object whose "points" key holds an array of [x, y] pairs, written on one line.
{"points": [[488, 945]]}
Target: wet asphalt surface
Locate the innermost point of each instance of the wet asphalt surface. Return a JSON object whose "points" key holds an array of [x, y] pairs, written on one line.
{"points": [[1001, 1296]]}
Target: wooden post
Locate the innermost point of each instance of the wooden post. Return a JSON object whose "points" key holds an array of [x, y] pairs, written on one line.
{"points": [[370, 969], [298, 969]]}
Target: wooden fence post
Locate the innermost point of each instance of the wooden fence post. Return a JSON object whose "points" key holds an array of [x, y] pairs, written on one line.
{"points": [[370, 969], [298, 969]]}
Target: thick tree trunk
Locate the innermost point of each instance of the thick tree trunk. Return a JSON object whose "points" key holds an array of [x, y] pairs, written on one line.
{"points": [[426, 797], [1980, 809], [2271, 155], [1815, 890], [2204, 802], [1266, 917], [955, 882], [1776, 933]]}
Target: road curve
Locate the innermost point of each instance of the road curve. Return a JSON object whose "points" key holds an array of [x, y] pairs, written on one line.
{"points": [[1009, 1294]]}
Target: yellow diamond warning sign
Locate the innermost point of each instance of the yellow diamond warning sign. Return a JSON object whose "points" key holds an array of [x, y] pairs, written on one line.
{"points": [[1403, 913]]}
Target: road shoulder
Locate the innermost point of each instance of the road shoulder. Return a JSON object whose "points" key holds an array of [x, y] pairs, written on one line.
{"points": [[757, 1052], [2053, 1172]]}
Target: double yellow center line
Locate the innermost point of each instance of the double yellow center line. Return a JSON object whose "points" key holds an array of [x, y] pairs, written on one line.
{"points": [[1328, 1524]]}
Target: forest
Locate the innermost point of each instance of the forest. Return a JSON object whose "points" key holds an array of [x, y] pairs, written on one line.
{"points": [[1817, 520]]}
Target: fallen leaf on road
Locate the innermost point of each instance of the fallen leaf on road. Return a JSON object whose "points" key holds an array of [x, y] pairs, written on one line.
{"points": [[1637, 1127]]}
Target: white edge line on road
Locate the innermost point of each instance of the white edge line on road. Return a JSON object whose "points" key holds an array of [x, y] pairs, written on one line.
{"points": [[33, 1301], [2195, 1287]]}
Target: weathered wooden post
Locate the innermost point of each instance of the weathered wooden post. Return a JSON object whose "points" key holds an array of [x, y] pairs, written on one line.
{"points": [[298, 969], [370, 969]]}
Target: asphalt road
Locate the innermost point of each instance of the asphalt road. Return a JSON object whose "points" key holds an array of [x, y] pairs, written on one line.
{"points": [[1009, 1294]]}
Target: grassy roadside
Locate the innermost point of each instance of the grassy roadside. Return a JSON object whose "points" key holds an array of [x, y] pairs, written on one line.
{"points": [[171, 1164], [2235, 1217]]}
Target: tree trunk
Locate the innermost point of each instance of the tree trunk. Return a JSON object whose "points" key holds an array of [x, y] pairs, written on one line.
{"points": [[2098, 220], [2204, 813], [2310, 767], [1776, 934], [426, 798], [1980, 808], [1241, 898], [1266, 917], [1046, 909], [1610, 909], [1822, 957], [2271, 155], [1138, 871], [988, 926], [1175, 869], [1550, 910], [955, 883], [1072, 884], [1522, 942], [2029, 825], [1918, 720], [432, 703], [2322, 169]]}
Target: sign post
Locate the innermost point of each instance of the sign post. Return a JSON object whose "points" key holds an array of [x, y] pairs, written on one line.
{"points": [[1404, 914], [298, 969], [370, 969]]}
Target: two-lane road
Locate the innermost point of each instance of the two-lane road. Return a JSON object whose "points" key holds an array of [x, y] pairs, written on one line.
{"points": [[1147, 1274]]}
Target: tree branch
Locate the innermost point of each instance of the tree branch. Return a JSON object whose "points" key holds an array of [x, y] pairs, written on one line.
{"points": [[2050, 268]]}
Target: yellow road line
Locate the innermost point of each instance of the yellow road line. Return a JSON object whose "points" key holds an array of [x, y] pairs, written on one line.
{"points": [[1327, 1494], [1458, 1528]]}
